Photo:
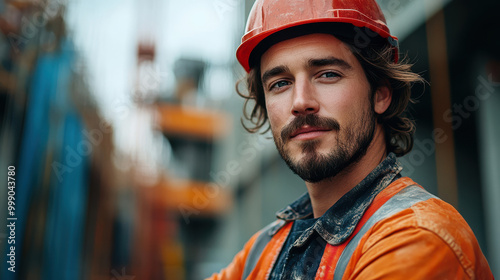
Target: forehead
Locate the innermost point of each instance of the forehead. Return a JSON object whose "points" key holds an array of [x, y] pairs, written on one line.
{"points": [[306, 47]]}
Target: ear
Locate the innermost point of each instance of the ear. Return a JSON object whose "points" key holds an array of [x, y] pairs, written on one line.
{"points": [[382, 99]]}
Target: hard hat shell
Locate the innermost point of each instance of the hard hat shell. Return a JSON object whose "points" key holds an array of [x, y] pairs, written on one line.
{"points": [[268, 17]]}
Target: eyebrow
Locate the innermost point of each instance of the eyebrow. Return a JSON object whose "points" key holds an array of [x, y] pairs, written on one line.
{"points": [[274, 72], [329, 61]]}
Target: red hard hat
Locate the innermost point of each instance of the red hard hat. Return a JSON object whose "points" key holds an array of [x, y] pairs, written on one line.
{"points": [[270, 16]]}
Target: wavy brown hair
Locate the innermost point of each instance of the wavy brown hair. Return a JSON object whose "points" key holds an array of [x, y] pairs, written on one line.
{"points": [[380, 70]]}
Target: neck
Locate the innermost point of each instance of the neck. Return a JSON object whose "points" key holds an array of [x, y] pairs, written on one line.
{"points": [[326, 193]]}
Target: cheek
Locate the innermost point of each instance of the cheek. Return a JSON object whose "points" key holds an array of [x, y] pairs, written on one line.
{"points": [[274, 113], [346, 104]]}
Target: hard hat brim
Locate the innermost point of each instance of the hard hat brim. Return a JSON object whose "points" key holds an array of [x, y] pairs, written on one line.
{"points": [[254, 37]]}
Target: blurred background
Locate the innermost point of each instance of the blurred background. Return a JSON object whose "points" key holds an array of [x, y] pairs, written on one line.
{"points": [[123, 125]]}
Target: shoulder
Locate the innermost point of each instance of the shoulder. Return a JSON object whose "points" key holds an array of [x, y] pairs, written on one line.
{"points": [[425, 212], [429, 236]]}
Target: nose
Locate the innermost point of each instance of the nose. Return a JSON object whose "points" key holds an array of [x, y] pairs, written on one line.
{"points": [[304, 98]]}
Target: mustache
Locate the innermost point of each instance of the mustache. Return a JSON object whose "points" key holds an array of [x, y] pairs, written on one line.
{"points": [[311, 120]]}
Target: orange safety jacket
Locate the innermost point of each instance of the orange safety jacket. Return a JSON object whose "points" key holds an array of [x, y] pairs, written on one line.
{"points": [[406, 232]]}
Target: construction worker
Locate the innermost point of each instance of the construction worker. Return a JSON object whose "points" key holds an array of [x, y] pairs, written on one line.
{"points": [[325, 76]]}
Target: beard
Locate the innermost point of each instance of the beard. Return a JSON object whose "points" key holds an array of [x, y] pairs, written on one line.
{"points": [[351, 145]]}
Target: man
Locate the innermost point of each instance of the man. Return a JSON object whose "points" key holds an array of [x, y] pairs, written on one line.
{"points": [[325, 76]]}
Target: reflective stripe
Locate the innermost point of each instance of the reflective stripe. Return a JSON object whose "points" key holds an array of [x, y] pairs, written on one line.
{"points": [[399, 202], [257, 248]]}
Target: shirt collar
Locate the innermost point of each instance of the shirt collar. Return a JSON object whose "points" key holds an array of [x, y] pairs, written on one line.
{"points": [[338, 222]]}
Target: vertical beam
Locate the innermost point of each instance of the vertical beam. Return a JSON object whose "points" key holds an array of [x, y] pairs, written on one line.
{"points": [[441, 102], [489, 155]]}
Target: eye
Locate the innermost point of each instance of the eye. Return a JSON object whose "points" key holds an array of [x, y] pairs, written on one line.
{"points": [[329, 74], [278, 85]]}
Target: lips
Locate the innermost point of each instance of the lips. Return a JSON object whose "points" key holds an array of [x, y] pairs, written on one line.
{"points": [[308, 130]]}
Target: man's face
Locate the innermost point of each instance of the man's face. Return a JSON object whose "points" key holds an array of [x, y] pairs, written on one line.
{"points": [[318, 102]]}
